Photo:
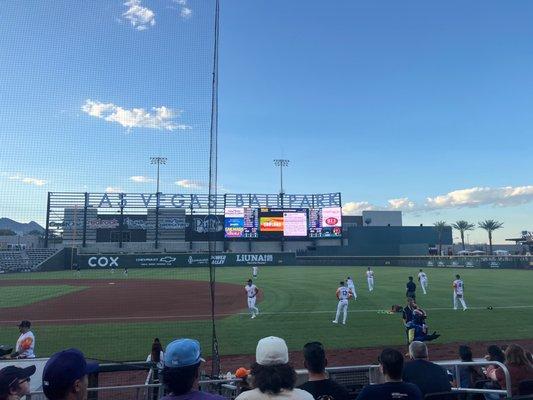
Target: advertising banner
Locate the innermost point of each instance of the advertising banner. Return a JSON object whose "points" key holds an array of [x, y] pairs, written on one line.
{"points": [[271, 224]]}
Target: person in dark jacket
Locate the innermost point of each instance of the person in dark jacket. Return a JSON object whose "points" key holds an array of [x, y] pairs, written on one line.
{"points": [[428, 376], [411, 289]]}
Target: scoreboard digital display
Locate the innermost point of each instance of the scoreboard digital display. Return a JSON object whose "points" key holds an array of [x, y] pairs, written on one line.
{"points": [[282, 223]]}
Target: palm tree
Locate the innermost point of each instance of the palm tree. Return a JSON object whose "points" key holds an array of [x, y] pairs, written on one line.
{"points": [[439, 226], [490, 226], [463, 226]]}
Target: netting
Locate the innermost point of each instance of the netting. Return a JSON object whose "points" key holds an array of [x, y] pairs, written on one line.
{"points": [[109, 115]]}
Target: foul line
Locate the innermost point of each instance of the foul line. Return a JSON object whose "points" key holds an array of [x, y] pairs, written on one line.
{"points": [[203, 316]]}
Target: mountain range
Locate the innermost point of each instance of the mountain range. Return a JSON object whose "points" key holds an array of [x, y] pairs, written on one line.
{"points": [[19, 227]]}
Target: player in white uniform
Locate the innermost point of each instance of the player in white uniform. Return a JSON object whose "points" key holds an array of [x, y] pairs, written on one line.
{"points": [[370, 279], [423, 279], [255, 269], [351, 286], [251, 293], [343, 294], [458, 292]]}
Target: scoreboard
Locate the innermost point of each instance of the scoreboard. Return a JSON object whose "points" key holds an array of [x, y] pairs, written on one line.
{"points": [[286, 223]]}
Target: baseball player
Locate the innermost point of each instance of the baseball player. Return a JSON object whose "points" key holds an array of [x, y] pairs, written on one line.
{"points": [[125, 271], [423, 279], [343, 294], [251, 293], [458, 292], [370, 279], [351, 286], [255, 269]]}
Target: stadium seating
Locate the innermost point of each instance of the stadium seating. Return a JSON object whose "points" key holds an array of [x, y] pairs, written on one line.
{"points": [[23, 260]]}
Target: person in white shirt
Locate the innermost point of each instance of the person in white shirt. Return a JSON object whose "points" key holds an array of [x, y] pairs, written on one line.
{"points": [[255, 270], [26, 342], [423, 279], [343, 295], [458, 292], [351, 286], [370, 279], [157, 359], [251, 294], [272, 376]]}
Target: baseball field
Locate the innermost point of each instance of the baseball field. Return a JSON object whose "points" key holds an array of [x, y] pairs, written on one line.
{"points": [[115, 317]]}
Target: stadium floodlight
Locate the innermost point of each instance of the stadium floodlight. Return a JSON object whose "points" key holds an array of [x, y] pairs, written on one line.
{"points": [[281, 163], [158, 161]]}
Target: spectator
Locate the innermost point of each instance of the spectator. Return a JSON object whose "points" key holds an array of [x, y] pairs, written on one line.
{"points": [[468, 375], [428, 376], [15, 382], [319, 385], [181, 371], [155, 357], [272, 375], [518, 366], [391, 365], [494, 353], [26, 342], [66, 376]]}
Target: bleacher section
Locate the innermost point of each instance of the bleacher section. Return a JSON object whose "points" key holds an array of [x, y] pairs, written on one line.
{"points": [[23, 260]]}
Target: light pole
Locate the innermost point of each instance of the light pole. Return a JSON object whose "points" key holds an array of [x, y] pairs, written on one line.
{"points": [[281, 163], [158, 161]]}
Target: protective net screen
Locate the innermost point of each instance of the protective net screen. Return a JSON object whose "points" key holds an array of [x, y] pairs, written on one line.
{"points": [[107, 161]]}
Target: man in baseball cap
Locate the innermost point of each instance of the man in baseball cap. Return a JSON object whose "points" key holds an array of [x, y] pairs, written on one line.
{"points": [[272, 375], [15, 382], [180, 374], [26, 342], [65, 375]]}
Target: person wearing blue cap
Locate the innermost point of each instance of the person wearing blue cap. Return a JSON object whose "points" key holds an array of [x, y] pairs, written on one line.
{"points": [[66, 376], [181, 371], [15, 382]]}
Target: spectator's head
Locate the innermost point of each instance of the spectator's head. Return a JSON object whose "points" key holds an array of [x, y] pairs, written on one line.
{"points": [[271, 371], [315, 358], [516, 355], [410, 279], [391, 363], [418, 350], [494, 353], [65, 375], [24, 326], [182, 363], [465, 353], [15, 382]]}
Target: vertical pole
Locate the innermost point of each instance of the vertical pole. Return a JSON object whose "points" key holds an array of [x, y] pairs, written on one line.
{"points": [[281, 178], [47, 228], [121, 221], [84, 240], [157, 216]]}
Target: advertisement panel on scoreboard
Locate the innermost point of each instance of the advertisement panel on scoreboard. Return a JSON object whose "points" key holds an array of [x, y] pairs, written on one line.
{"points": [[241, 223], [325, 222], [278, 223]]}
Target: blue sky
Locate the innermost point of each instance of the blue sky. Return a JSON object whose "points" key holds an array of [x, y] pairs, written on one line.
{"points": [[421, 106]]}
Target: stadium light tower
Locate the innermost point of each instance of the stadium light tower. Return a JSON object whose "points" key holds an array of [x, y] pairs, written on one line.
{"points": [[281, 163], [158, 161]]}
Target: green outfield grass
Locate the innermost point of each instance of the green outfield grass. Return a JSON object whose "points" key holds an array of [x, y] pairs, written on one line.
{"points": [[16, 296], [299, 304]]}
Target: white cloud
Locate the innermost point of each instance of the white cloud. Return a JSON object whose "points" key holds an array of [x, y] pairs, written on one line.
{"points": [[162, 118], [186, 12], [28, 180], [140, 17], [190, 184], [477, 196], [470, 197], [356, 207], [141, 179], [111, 189]]}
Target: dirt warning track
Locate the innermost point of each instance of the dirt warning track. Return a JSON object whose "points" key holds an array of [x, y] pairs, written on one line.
{"points": [[124, 300]]}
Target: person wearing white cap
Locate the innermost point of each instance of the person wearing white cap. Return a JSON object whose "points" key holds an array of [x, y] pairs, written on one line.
{"points": [[272, 375]]}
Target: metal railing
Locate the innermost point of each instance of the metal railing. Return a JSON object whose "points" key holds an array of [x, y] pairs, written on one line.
{"points": [[356, 376]]}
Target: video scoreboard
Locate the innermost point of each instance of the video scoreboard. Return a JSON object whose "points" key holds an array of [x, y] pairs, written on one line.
{"points": [[278, 223]]}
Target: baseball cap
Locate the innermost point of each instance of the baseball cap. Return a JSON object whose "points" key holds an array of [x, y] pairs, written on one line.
{"points": [[271, 350], [11, 374], [183, 353], [63, 369], [24, 324], [242, 372]]}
